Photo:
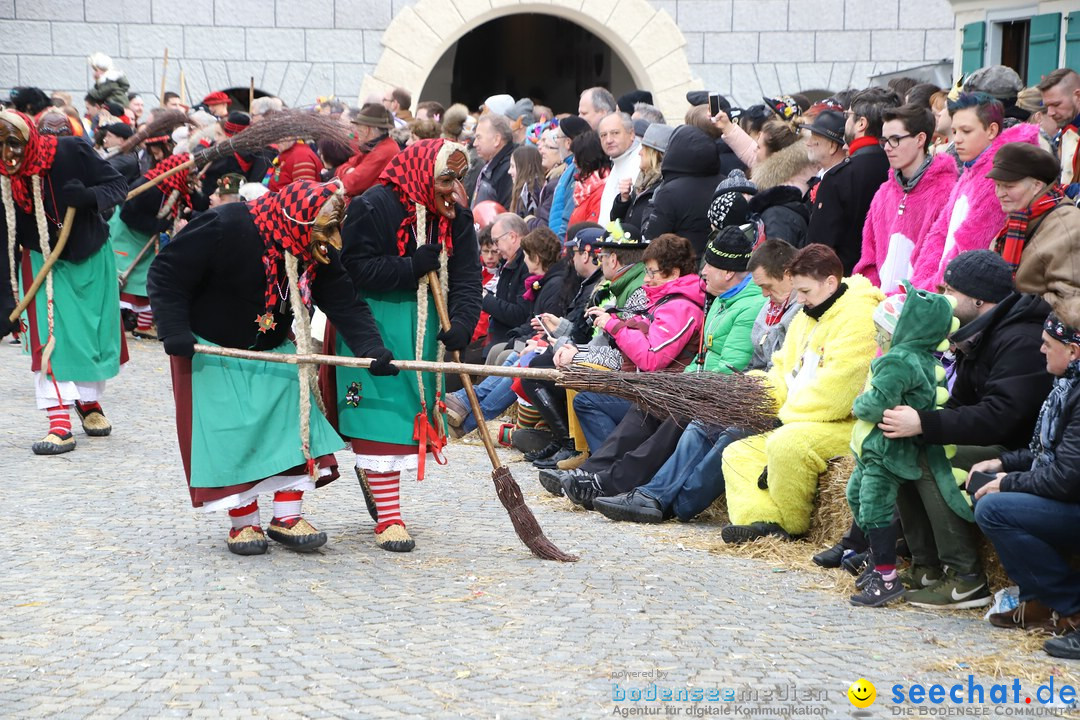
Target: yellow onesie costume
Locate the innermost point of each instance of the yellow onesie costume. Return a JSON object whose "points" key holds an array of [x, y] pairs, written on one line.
{"points": [[815, 378]]}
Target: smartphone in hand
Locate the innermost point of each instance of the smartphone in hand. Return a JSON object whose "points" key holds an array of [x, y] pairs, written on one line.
{"points": [[977, 480]]}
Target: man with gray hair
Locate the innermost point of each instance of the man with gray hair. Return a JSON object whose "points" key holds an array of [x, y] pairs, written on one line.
{"points": [[649, 113], [493, 142], [263, 107], [623, 147], [594, 104], [507, 306]]}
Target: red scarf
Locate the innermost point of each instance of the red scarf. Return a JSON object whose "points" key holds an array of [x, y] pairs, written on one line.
{"points": [[1009, 243], [859, 143], [284, 220], [411, 175], [37, 159], [178, 181]]}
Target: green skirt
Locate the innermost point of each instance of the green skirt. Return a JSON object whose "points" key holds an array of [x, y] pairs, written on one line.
{"points": [[385, 407], [245, 420], [127, 244], [86, 316]]}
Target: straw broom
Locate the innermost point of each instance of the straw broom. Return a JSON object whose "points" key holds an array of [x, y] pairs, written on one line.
{"points": [[277, 127], [715, 399], [163, 124]]}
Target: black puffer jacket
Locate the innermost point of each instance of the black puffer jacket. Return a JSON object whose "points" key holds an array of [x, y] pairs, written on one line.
{"points": [[691, 170], [548, 299], [783, 213], [495, 182], [637, 210], [1001, 379], [1061, 479]]}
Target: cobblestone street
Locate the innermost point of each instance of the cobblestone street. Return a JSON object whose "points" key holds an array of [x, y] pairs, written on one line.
{"points": [[121, 601]]}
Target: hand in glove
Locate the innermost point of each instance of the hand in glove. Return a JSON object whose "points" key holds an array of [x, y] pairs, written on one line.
{"points": [[426, 259], [456, 338], [180, 345], [381, 365], [75, 194]]}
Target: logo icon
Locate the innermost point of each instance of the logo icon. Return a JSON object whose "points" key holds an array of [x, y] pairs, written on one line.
{"points": [[862, 693]]}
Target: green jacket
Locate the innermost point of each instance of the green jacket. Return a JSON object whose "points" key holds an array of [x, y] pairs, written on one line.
{"points": [[618, 291], [111, 87], [725, 336], [909, 374]]}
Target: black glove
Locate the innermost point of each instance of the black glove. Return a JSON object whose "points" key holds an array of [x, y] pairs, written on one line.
{"points": [[425, 259], [75, 194], [180, 345], [456, 338], [381, 364]]}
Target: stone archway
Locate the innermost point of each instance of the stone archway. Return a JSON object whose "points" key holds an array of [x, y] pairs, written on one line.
{"points": [[647, 41]]}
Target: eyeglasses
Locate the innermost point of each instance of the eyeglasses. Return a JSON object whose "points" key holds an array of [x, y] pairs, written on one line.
{"points": [[893, 140], [500, 237], [652, 273]]}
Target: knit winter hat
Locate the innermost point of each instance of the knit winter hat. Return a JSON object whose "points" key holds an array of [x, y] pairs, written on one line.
{"points": [[728, 208], [736, 181], [499, 104], [573, 126], [729, 249], [997, 80], [236, 122], [980, 274]]}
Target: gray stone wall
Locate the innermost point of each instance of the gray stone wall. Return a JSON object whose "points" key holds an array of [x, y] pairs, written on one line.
{"points": [[301, 49]]}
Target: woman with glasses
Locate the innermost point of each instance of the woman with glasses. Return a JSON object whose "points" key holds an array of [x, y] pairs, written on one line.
{"points": [[551, 161], [909, 201]]}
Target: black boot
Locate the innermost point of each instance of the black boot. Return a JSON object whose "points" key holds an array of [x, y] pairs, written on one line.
{"points": [[555, 417]]}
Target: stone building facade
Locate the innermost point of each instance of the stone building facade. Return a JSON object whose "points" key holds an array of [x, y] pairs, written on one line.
{"points": [[302, 49]]}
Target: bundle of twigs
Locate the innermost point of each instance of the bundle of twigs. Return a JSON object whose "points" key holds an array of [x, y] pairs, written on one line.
{"points": [[735, 400], [162, 124], [274, 129]]}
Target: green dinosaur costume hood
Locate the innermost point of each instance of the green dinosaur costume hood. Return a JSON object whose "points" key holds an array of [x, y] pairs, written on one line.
{"points": [[926, 319]]}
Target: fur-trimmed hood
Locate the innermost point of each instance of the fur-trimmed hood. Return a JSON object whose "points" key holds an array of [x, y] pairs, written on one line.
{"points": [[784, 166]]}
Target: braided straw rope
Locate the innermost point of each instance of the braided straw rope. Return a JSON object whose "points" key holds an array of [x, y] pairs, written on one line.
{"points": [[307, 372], [9, 216], [46, 251], [422, 304]]}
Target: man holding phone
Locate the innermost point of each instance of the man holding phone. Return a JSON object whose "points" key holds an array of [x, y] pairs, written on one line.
{"points": [[1030, 510]]}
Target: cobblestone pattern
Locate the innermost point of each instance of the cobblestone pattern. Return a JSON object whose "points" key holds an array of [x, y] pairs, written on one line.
{"points": [[120, 601]]}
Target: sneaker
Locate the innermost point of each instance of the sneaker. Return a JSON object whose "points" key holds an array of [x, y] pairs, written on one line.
{"points": [[738, 534], [830, 558], [582, 487], [857, 563], [953, 591], [865, 577], [878, 591], [248, 540], [552, 479], [634, 506], [1067, 646], [456, 412], [917, 577]]}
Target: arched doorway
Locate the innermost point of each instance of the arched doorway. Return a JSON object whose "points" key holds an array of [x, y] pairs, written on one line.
{"points": [[645, 40], [543, 57]]}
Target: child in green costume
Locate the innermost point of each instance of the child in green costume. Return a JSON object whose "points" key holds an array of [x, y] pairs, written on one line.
{"points": [[910, 328]]}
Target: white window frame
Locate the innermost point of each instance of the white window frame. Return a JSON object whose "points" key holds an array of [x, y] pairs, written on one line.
{"points": [[994, 18]]}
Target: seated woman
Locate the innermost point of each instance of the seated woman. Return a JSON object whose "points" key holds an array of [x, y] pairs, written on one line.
{"points": [[544, 289], [771, 479], [1031, 509], [663, 337]]}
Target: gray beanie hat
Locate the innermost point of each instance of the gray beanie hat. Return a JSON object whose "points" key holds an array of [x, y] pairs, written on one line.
{"points": [[980, 274]]}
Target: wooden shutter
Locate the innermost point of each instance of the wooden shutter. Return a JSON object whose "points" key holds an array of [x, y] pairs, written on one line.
{"points": [[1044, 46], [971, 48]]}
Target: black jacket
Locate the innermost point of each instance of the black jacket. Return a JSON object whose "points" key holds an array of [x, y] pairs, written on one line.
{"points": [[782, 210], [370, 254], [842, 201], [637, 211], [1059, 480], [257, 165], [548, 299], [210, 280], [127, 164], [507, 307], [581, 328], [691, 170], [1001, 379], [495, 182], [75, 159], [140, 212]]}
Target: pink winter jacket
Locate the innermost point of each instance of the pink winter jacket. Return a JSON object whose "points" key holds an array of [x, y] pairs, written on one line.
{"points": [[654, 344], [972, 217], [889, 237]]}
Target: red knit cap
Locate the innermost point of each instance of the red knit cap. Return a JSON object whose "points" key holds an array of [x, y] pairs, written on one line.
{"points": [[216, 98]]}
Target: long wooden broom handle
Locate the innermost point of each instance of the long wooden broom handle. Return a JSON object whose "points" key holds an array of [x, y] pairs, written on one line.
{"points": [[466, 381], [410, 365], [65, 233], [168, 173]]}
